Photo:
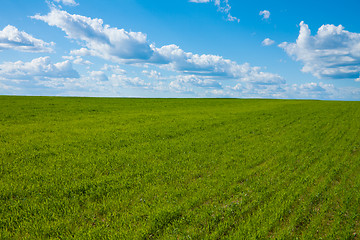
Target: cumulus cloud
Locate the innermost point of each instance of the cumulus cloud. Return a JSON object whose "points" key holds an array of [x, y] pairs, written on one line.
{"points": [[121, 46], [332, 53], [222, 5], [100, 40], [211, 65], [265, 14], [12, 38], [81, 61], [67, 2], [268, 42], [38, 69]]}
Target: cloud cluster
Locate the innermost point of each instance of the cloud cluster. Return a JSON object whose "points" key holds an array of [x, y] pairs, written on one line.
{"points": [[314, 90], [209, 65], [152, 74], [310, 90], [37, 69], [249, 90], [332, 53], [12, 38], [222, 5], [265, 14], [121, 46], [185, 83], [125, 81], [78, 60], [62, 78]]}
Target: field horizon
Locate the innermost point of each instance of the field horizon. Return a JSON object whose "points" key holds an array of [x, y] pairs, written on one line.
{"points": [[134, 97], [178, 168]]}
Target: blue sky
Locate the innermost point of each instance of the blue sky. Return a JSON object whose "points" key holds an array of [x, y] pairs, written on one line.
{"points": [[180, 48]]}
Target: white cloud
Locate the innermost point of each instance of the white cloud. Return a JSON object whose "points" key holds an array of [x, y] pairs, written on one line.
{"points": [[314, 90], [114, 68], [121, 46], [68, 57], [217, 93], [268, 42], [67, 2], [81, 61], [222, 5], [101, 40], [12, 38], [82, 52], [78, 60], [211, 65], [38, 69], [310, 90], [185, 83], [254, 90], [97, 83], [153, 74], [179, 88], [332, 53], [125, 81], [265, 14]]}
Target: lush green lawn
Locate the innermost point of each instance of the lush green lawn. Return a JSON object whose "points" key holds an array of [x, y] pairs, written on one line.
{"points": [[94, 168]]}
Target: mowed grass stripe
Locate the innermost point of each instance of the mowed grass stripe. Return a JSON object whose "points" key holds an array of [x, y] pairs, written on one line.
{"points": [[178, 168]]}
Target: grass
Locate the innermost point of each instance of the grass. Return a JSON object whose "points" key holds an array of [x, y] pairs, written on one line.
{"points": [[102, 168]]}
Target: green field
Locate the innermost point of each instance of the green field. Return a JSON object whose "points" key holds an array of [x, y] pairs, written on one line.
{"points": [[102, 168]]}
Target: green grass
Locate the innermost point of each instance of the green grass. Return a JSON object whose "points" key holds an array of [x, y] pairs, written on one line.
{"points": [[94, 168]]}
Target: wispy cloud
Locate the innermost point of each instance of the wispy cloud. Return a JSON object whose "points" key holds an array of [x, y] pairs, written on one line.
{"points": [[222, 5]]}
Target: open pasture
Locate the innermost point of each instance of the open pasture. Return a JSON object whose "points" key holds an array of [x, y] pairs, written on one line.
{"points": [[108, 168]]}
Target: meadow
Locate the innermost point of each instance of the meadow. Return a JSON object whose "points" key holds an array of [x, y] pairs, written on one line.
{"points": [[115, 168]]}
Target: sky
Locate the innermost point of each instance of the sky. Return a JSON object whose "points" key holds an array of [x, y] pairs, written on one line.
{"points": [[181, 48]]}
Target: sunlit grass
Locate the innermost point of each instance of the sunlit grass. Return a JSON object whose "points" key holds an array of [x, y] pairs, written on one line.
{"points": [[94, 168]]}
